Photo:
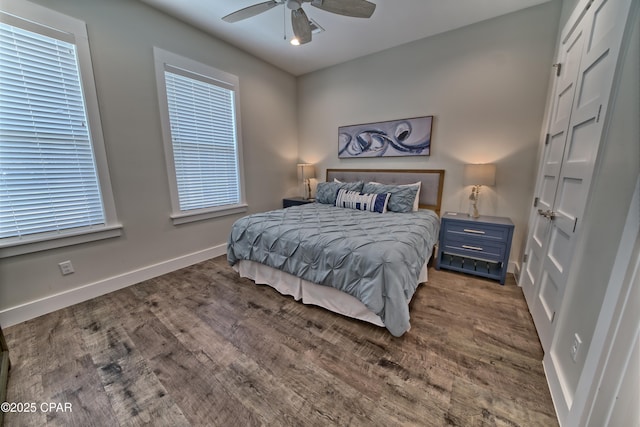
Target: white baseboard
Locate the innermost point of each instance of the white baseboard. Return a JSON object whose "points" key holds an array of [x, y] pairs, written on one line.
{"points": [[515, 271], [557, 387], [14, 315]]}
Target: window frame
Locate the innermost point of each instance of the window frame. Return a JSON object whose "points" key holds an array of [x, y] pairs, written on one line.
{"points": [[169, 61], [39, 19]]}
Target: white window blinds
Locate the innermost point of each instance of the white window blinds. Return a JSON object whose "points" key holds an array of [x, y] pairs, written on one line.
{"points": [[48, 179], [203, 135]]}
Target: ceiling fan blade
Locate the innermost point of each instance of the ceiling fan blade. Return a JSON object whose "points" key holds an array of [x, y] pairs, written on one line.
{"points": [[301, 26], [250, 11], [353, 8]]}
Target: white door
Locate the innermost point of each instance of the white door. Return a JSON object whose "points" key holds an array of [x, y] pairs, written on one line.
{"points": [[569, 161], [569, 61]]}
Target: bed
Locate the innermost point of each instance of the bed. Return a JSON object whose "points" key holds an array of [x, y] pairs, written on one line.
{"points": [[347, 258]]}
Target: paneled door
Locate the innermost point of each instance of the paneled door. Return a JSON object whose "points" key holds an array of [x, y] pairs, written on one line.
{"points": [[567, 75], [588, 61]]}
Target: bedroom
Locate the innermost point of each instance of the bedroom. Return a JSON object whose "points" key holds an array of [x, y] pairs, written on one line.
{"points": [[498, 63]]}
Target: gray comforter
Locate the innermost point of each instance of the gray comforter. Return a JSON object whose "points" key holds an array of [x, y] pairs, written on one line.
{"points": [[374, 257]]}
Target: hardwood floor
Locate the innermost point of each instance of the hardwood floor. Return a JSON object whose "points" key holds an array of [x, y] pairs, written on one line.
{"points": [[202, 347]]}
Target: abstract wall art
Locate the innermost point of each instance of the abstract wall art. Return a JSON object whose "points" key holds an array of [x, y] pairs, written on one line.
{"points": [[393, 138]]}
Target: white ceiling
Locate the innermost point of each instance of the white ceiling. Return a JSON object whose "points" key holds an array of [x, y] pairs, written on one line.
{"points": [[393, 23]]}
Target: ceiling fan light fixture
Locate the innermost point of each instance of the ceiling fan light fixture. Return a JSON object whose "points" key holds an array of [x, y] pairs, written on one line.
{"points": [[302, 26], [294, 41]]}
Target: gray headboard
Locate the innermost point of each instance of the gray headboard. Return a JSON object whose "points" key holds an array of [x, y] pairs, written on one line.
{"points": [[430, 191]]}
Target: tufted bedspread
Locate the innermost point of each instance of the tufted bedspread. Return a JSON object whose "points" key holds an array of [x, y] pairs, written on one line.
{"points": [[373, 257]]}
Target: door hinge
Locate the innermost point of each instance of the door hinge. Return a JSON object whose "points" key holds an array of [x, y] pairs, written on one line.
{"points": [[546, 139], [558, 67], [535, 202], [575, 224], [525, 258]]}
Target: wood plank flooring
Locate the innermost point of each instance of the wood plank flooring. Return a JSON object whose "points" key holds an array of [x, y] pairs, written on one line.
{"points": [[202, 347]]}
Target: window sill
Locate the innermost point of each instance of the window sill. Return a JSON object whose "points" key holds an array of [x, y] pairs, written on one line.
{"points": [[48, 242], [202, 214]]}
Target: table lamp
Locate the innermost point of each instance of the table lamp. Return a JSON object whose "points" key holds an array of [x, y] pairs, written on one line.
{"points": [[478, 175], [306, 171]]}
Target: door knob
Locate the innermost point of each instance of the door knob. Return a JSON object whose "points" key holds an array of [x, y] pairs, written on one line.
{"points": [[543, 213], [549, 214]]}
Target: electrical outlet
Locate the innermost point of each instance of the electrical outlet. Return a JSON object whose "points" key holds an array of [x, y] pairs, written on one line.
{"points": [[575, 347], [66, 267]]}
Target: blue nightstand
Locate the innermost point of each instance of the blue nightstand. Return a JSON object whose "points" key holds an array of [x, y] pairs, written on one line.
{"points": [[478, 246], [295, 201]]}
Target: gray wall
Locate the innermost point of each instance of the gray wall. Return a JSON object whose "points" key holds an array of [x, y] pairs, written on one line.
{"points": [[485, 85], [122, 34]]}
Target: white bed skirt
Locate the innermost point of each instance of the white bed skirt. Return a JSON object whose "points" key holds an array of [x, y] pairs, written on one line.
{"points": [[311, 293]]}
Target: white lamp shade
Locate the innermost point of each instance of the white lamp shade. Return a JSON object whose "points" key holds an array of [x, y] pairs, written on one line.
{"points": [[306, 171], [480, 174]]}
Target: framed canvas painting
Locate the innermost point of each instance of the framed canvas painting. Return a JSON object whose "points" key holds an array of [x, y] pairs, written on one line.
{"points": [[393, 138]]}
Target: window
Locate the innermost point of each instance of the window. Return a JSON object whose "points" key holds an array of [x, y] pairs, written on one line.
{"points": [[52, 193], [199, 112]]}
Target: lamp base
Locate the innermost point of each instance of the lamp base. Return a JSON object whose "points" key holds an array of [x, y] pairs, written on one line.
{"points": [[474, 212], [307, 195], [473, 202]]}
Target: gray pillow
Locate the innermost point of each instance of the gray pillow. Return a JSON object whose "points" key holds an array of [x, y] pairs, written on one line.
{"points": [[402, 197], [326, 192]]}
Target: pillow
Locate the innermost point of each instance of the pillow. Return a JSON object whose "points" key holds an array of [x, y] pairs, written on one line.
{"points": [[402, 197], [326, 192], [362, 202], [416, 202]]}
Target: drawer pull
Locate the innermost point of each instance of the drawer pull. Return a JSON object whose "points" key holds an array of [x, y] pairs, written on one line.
{"points": [[468, 230], [475, 248]]}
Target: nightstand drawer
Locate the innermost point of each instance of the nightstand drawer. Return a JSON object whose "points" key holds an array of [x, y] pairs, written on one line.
{"points": [[475, 248], [464, 230]]}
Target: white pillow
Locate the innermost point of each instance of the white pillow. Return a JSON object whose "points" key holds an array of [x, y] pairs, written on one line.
{"points": [[416, 202]]}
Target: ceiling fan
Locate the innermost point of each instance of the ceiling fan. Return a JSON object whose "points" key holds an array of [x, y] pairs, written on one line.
{"points": [[299, 21]]}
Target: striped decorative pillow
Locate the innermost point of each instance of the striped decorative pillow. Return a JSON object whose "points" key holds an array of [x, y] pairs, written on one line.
{"points": [[362, 202]]}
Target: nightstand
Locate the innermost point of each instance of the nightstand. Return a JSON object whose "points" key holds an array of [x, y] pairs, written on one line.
{"points": [[478, 246], [295, 201]]}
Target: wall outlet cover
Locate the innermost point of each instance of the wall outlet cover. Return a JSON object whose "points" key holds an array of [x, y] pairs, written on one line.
{"points": [[66, 267]]}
